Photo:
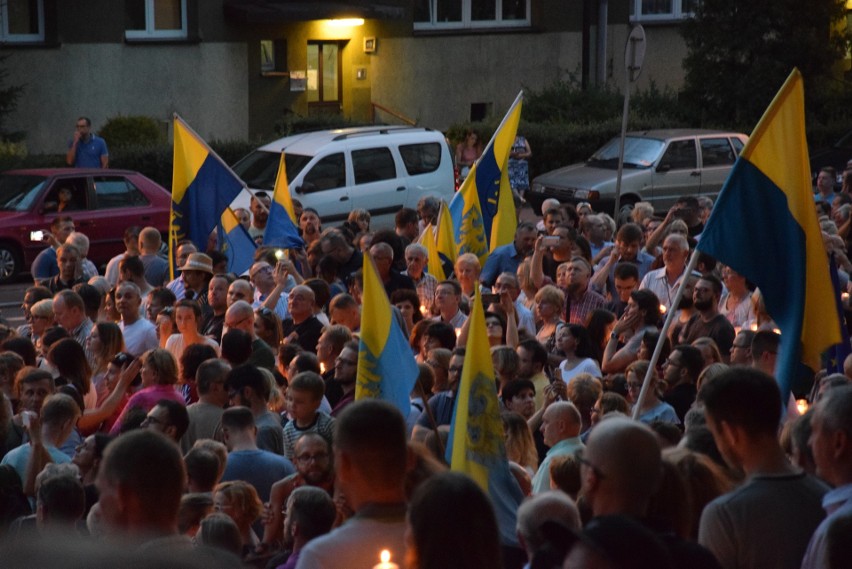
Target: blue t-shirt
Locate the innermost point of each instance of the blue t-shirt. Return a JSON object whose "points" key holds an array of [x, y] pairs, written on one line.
{"points": [[89, 152], [260, 468]]}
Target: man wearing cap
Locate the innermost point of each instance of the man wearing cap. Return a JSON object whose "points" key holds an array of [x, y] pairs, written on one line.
{"points": [[193, 279], [177, 286]]}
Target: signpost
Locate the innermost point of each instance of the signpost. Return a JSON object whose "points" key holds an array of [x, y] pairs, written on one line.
{"points": [[634, 56]]}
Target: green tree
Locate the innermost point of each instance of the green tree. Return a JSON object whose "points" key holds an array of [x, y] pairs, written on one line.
{"points": [[741, 51]]}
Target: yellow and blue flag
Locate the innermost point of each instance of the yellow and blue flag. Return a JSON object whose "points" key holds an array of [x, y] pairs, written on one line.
{"points": [[282, 227], [386, 366], [765, 227], [476, 204], [506, 219], [445, 239], [838, 353], [203, 186], [433, 259], [236, 243], [476, 444]]}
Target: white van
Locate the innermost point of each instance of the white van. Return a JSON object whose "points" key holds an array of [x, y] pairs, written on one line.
{"points": [[378, 168]]}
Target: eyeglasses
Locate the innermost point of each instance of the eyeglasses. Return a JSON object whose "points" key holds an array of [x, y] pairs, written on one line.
{"points": [[238, 323], [340, 360], [261, 270], [152, 420], [579, 456], [308, 458]]}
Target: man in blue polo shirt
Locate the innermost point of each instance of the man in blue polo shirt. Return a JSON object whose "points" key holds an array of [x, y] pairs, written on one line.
{"points": [[87, 150]]}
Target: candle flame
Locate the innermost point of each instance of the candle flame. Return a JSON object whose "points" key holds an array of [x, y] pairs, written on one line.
{"points": [[384, 556], [458, 332], [777, 330], [754, 327], [844, 295], [802, 406], [322, 367], [663, 309], [423, 310]]}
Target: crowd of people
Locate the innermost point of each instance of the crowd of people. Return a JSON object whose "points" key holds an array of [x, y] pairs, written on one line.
{"points": [[210, 419]]}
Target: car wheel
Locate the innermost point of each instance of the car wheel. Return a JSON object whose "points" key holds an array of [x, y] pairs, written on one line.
{"points": [[10, 262]]}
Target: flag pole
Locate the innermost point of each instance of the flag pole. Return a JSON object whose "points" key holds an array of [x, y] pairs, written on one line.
{"points": [[500, 126], [693, 261]]}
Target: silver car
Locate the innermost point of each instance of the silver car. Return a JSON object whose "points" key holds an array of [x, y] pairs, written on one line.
{"points": [[659, 167]]}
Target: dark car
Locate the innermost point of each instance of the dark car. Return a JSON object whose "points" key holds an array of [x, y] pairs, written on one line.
{"points": [[102, 204]]}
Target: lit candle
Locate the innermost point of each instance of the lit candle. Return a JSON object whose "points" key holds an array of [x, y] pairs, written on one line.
{"points": [[777, 330], [322, 367], [385, 562], [802, 406], [423, 310], [458, 332], [844, 296], [663, 309], [754, 327]]}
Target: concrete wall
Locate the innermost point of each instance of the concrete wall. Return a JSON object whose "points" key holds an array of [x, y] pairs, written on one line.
{"points": [[204, 83], [434, 80]]}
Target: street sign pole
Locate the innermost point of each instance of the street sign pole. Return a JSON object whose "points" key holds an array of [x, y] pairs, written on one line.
{"points": [[634, 56]]}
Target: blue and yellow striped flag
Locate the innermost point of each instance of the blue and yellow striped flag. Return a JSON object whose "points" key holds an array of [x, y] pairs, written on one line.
{"points": [[764, 226], [236, 243], [282, 227], [475, 206], [203, 186], [386, 366], [445, 237]]}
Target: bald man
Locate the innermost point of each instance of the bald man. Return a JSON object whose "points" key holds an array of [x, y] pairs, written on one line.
{"points": [[620, 469], [240, 289], [560, 425], [240, 316], [302, 327]]}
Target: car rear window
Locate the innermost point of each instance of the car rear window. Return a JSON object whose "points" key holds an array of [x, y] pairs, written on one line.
{"points": [[373, 165], [421, 158], [117, 191], [716, 152]]}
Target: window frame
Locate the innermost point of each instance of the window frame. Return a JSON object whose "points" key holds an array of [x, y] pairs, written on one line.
{"points": [[362, 156], [677, 12], [150, 33], [7, 37], [130, 189], [467, 23]]}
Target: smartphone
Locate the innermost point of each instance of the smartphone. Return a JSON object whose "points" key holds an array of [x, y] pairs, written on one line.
{"points": [[550, 241], [36, 235], [489, 298], [282, 254], [26, 418]]}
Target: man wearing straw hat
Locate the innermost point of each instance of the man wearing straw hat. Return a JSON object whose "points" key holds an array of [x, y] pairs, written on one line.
{"points": [[195, 274]]}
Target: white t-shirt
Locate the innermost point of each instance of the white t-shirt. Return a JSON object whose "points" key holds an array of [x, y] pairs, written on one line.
{"points": [[587, 365]]}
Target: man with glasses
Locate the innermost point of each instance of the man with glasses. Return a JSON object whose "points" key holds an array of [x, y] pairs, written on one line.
{"points": [[741, 348], [270, 287], [681, 372], [168, 418], [314, 467], [85, 150], [415, 267], [345, 375]]}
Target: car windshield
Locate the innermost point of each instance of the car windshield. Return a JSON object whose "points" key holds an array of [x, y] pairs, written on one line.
{"points": [[19, 191], [260, 168], [638, 153]]}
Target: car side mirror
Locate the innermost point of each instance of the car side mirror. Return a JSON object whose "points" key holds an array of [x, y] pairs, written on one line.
{"points": [[664, 167]]}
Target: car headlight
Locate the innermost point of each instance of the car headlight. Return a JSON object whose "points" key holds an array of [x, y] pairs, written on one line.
{"points": [[586, 194], [537, 187]]}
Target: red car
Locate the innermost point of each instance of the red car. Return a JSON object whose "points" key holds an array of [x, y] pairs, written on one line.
{"points": [[102, 204]]}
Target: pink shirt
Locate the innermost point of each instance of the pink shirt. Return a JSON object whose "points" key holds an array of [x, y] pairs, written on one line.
{"points": [[145, 399]]}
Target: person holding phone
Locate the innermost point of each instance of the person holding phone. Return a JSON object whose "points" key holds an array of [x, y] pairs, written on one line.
{"points": [[85, 150], [506, 258]]}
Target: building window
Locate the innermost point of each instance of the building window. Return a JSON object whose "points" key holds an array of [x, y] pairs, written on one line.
{"points": [[23, 21], [660, 10], [453, 14], [155, 19], [324, 75]]}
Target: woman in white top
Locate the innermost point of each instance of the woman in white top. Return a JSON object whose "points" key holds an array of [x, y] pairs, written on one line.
{"points": [[735, 304], [187, 317], [575, 343]]}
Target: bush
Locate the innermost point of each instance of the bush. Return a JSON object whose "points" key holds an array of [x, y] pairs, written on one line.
{"points": [[123, 132]]}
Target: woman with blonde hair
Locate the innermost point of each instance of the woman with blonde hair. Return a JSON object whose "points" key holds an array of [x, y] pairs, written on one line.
{"points": [[709, 350], [239, 501], [549, 306], [159, 375], [104, 342], [520, 446], [41, 314]]}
